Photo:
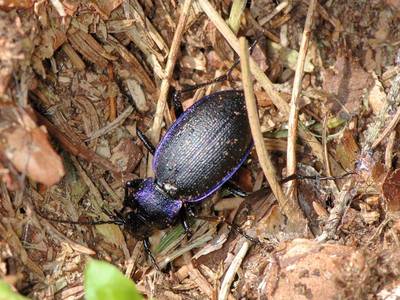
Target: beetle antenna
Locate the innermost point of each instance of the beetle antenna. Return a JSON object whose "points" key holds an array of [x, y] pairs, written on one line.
{"points": [[314, 177], [117, 220], [221, 78]]}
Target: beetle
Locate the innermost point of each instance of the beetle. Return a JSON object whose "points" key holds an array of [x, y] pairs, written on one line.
{"points": [[199, 153]]}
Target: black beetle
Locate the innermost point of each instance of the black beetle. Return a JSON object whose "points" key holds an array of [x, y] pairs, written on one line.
{"points": [[198, 154]]}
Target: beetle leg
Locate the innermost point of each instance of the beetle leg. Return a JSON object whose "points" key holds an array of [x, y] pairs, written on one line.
{"points": [[176, 100], [185, 223], [146, 142], [314, 177], [177, 103], [177, 95], [233, 226], [234, 189], [147, 249]]}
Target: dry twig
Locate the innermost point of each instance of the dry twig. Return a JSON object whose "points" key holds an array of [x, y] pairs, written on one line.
{"points": [[78, 149], [232, 270], [266, 84], [169, 68], [389, 150], [112, 125], [336, 214], [290, 209], [294, 105]]}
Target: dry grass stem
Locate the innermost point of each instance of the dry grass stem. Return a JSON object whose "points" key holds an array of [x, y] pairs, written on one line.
{"points": [[325, 146], [112, 125], [336, 214], [276, 11], [169, 68], [232, 270], [389, 150], [294, 106], [391, 126], [224, 29], [266, 84], [235, 15], [290, 209]]}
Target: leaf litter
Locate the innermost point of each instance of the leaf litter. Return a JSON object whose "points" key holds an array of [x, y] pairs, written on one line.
{"points": [[76, 79]]}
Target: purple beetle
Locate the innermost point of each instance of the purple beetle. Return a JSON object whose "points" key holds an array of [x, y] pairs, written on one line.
{"points": [[199, 153]]}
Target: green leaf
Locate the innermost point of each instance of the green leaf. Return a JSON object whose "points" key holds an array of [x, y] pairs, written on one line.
{"points": [[170, 237], [6, 293], [104, 281]]}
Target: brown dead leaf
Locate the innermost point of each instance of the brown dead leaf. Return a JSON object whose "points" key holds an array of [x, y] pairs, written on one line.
{"points": [[262, 99], [395, 4], [347, 150], [7, 5], [31, 153], [105, 7], [391, 190], [126, 155], [376, 95], [244, 179], [27, 147], [346, 81], [260, 57], [370, 170]]}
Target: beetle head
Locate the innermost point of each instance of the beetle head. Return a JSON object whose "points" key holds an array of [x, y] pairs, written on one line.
{"points": [[137, 225]]}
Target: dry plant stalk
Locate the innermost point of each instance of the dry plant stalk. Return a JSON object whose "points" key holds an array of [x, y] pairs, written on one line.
{"points": [[224, 29], [266, 84], [232, 270], [290, 209], [294, 102], [169, 69]]}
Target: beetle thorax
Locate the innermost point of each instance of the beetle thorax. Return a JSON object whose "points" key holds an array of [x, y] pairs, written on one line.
{"points": [[156, 205]]}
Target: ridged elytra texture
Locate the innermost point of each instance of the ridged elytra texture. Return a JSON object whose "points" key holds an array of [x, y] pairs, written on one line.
{"points": [[204, 147]]}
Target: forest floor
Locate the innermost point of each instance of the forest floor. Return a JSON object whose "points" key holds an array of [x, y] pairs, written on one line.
{"points": [[77, 79]]}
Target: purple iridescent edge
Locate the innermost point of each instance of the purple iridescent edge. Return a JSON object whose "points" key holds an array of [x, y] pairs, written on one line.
{"points": [[170, 130]]}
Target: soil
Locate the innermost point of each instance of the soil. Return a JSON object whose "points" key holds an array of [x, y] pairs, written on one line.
{"points": [[78, 78]]}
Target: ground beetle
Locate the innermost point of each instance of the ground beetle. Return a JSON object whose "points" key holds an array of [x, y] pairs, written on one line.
{"points": [[198, 154]]}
